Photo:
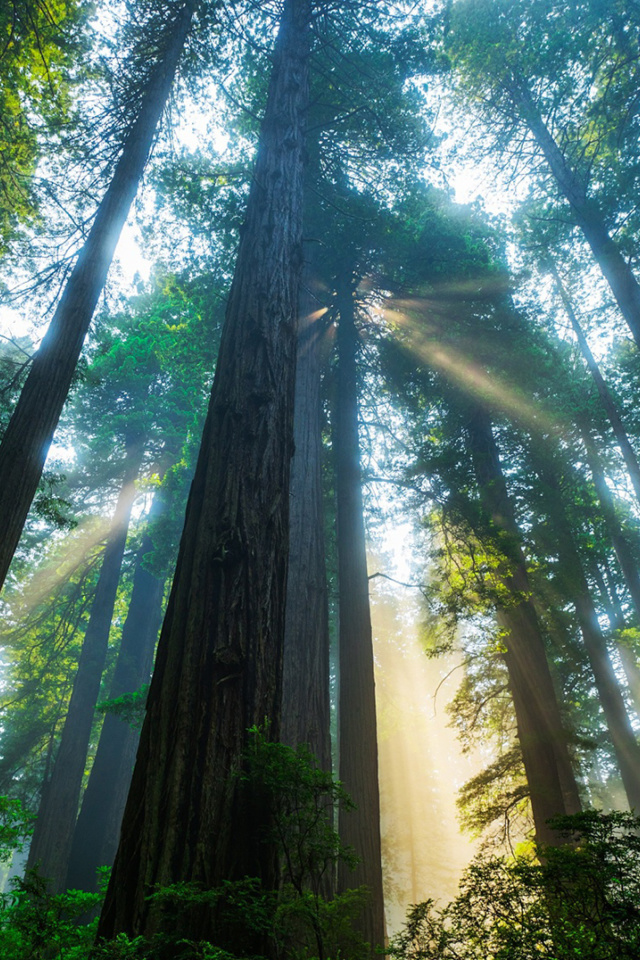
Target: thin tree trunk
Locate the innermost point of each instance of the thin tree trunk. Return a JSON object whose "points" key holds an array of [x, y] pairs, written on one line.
{"points": [[53, 833], [616, 618], [305, 684], [26, 442], [625, 745], [357, 712], [218, 671], [608, 402], [589, 218], [95, 839], [542, 737], [619, 542]]}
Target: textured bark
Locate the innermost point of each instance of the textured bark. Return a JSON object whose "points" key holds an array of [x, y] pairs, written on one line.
{"points": [[53, 833], [357, 712], [25, 445], [305, 684], [95, 838], [607, 400], [218, 669], [588, 216], [625, 745], [543, 741]]}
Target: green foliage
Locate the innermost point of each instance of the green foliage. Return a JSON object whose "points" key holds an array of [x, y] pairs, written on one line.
{"points": [[576, 900], [35, 925], [296, 921], [129, 707], [39, 44], [16, 825]]}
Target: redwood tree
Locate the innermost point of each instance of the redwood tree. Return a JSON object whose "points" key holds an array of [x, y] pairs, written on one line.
{"points": [[357, 710], [53, 833], [305, 704], [190, 816], [26, 442], [552, 786]]}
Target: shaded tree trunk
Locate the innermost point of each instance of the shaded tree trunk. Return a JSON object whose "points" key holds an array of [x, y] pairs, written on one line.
{"points": [[588, 216], [189, 816], [305, 685], [26, 442], [53, 833], [357, 710], [625, 745], [541, 733], [95, 839]]}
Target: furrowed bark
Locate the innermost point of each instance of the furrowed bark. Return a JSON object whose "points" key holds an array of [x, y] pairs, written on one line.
{"points": [[552, 785], [305, 696], [53, 833], [26, 442], [95, 838], [357, 712], [189, 816]]}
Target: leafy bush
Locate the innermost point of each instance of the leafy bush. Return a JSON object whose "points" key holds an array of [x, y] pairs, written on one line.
{"points": [[576, 901]]}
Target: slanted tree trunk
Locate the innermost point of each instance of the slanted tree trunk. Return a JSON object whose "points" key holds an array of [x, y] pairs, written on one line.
{"points": [[542, 737], [616, 618], [26, 442], [95, 838], [619, 542], [625, 745], [53, 833], [607, 400], [189, 815], [588, 216], [305, 684], [358, 740]]}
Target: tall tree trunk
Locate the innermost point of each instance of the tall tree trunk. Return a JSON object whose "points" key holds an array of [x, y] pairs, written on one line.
{"points": [[607, 400], [189, 815], [589, 217], [53, 833], [625, 745], [305, 682], [26, 442], [542, 737], [95, 839], [616, 618], [621, 547], [357, 711]]}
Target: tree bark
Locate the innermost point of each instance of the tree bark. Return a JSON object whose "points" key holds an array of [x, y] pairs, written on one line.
{"points": [[589, 218], [541, 733], [607, 400], [26, 442], [305, 690], [189, 815], [53, 833], [95, 838], [357, 711], [625, 745]]}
